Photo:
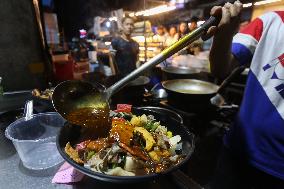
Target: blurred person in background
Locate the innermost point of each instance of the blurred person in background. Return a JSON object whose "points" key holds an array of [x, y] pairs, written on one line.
{"points": [[193, 23], [160, 35], [172, 37], [166, 31], [183, 29], [125, 48]]}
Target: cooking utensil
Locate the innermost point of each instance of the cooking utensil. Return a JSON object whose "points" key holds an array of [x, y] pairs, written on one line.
{"points": [[80, 102], [218, 99], [171, 72], [190, 86], [159, 93], [198, 95], [170, 119], [190, 94], [180, 70]]}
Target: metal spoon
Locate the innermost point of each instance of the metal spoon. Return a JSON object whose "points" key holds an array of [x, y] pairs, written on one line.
{"points": [[83, 104]]}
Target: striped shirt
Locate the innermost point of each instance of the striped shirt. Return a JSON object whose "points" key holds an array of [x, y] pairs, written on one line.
{"points": [[258, 132]]}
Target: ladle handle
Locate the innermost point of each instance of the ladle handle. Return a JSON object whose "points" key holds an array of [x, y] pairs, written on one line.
{"points": [[28, 111], [183, 42]]}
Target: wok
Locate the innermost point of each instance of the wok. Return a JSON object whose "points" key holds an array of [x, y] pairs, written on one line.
{"points": [[173, 121], [171, 72], [190, 94]]}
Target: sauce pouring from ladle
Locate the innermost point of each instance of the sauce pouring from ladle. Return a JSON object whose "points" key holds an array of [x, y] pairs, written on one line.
{"points": [[85, 104]]}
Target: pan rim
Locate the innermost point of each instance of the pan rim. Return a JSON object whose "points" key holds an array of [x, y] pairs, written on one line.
{"points": [[170, 69], [167, 82]]}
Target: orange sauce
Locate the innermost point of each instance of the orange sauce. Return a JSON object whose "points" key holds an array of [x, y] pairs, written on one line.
{"points": [[121, 131], [95, 121]]}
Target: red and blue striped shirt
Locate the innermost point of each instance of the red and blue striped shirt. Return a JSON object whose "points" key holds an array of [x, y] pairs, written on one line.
{"points": [[258, 132]]}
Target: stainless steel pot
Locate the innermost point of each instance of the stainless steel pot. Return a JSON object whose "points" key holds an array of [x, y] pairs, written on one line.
{"points": [[190, 94], [180, 73]]}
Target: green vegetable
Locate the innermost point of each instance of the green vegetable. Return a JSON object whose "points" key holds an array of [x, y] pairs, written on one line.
{"points": [[90, 154], [114, 165], [151, 126], [155, 126], [127, 116], [169, 134], [148, 126]]}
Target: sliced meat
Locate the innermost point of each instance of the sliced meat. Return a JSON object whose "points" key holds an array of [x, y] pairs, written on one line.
{"points": [[98, 144], [135, 151]]}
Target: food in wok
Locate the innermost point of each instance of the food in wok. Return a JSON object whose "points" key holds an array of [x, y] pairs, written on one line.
{"points": [[136, 145]]}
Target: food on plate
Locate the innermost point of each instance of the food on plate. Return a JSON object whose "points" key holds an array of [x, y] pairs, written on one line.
{"points": [[135, 145], [46, 94]]}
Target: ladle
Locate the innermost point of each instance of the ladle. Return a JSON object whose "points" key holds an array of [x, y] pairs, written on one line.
{"points": [[83, 104]]}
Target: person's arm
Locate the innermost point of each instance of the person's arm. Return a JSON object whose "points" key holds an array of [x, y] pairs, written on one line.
{"points": [[113, 47], [221, 59], [138, 63]]}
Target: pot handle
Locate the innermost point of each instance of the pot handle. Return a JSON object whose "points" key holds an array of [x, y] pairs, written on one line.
{"points": [[218, 99], [236, 72]]}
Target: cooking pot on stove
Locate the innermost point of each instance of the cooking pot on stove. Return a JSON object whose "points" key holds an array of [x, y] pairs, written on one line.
{"points": [[172, 72], [196, 95]]}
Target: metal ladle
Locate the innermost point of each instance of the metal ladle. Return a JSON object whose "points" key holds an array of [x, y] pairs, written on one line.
{"points": [[83, 104]]}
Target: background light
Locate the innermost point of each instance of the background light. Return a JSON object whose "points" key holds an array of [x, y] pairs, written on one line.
{"points": [[108, 24]]}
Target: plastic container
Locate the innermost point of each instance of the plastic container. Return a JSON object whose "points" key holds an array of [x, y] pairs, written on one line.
{"points": [[35, 140]]}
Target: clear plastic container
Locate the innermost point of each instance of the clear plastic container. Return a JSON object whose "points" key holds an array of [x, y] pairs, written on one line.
{"points": [[35, 140]]}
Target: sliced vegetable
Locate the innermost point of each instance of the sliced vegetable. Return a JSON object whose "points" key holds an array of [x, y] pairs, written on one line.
{"points": [[139, 121], [123, 108], [90, 154], [151, 126], [118, 171], [154, 156], [169, 134], [73, 154], [147, 136], [174, 140], [130, 164]]}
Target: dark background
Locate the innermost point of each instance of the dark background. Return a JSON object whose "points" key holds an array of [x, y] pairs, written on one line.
{"points": [[77, 14]]}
